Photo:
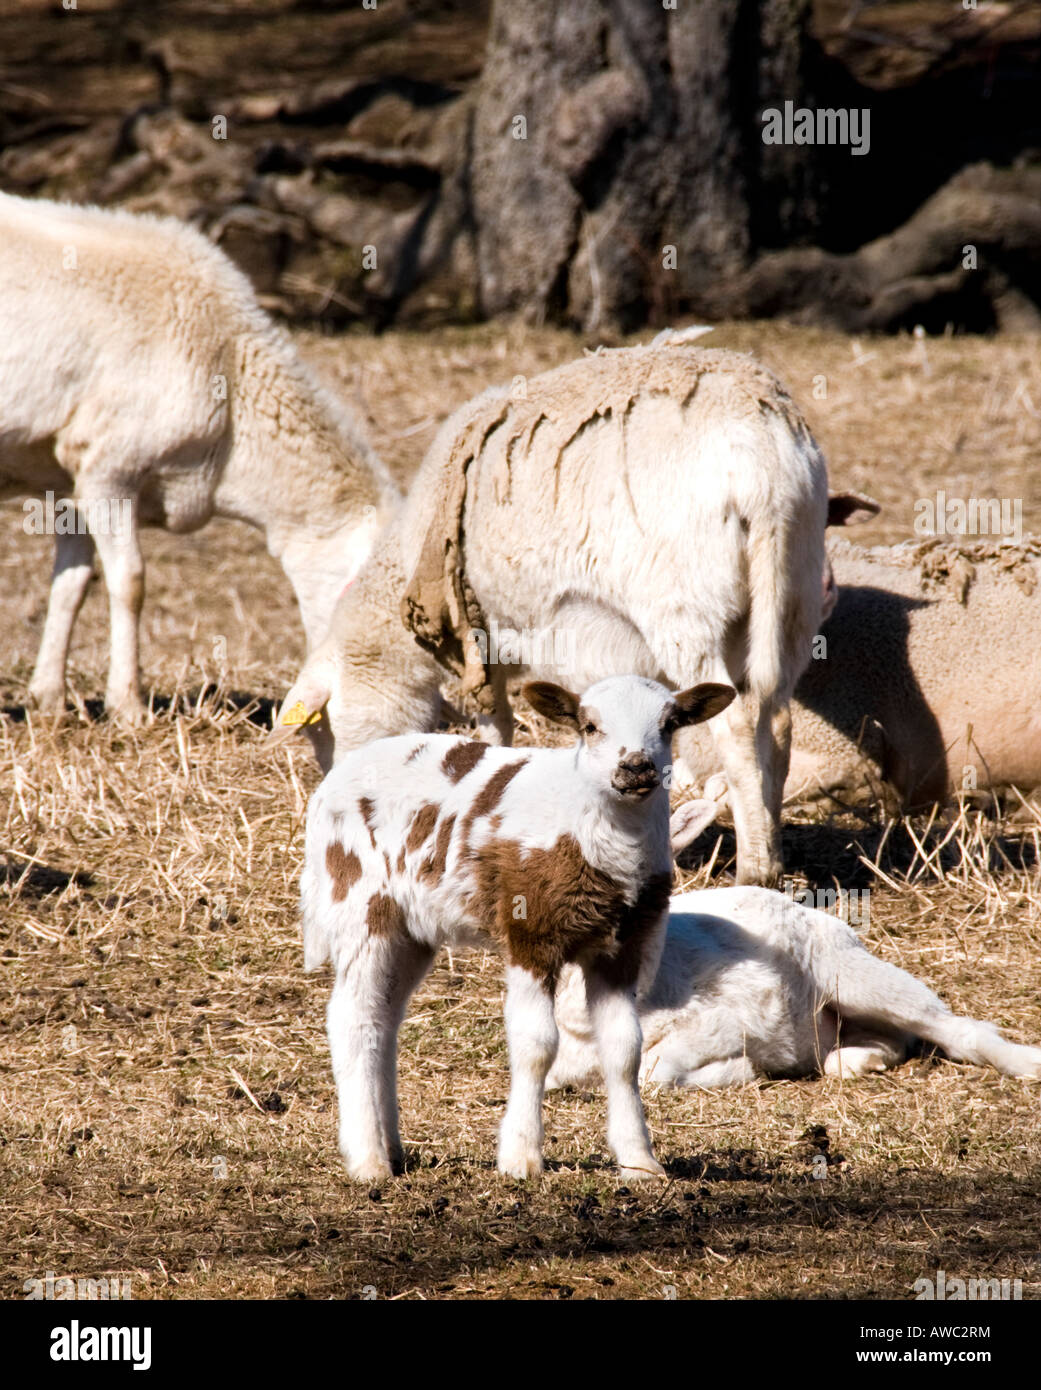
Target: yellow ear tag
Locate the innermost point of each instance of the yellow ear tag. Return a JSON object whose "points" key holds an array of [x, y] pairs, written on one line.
{"points": [[299, 715]]}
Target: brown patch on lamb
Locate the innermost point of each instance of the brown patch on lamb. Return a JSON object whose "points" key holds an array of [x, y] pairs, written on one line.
{"points": [[550, 907], [461, 759], [344, 870], [423, 823], [433, 866], [367, 810], [490, 795], [384, 917]]}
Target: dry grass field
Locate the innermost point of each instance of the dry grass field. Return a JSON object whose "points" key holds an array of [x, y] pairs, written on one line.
{"points": [[167, 1110]]}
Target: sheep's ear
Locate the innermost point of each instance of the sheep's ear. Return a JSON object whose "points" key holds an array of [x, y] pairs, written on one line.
{"points": [[695, 705], [552, 702], [850, 508], [303, 706]]}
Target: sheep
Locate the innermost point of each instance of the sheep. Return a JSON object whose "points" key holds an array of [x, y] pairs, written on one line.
{"points": [[556, 855], [753, 984], [661, 510], [927, 684], [139, 375]]}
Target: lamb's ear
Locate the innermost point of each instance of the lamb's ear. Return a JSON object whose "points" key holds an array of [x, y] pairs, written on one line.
{"points": [[303, 705], [850, 508], [695, 705], [688, 821], [553, 702]]}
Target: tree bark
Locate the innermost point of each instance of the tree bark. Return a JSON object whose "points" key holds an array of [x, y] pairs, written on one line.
{"points": [[617, 146]]}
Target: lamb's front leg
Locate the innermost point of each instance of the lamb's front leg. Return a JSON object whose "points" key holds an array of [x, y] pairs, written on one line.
{"points": [[619, 1041], [531, 1033]]}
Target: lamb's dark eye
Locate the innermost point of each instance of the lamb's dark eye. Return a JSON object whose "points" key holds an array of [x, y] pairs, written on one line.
{"points": [[589, 729]]}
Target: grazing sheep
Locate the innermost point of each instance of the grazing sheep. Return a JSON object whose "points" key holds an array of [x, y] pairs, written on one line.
{"points": [[752, 984], [651, 510], [139, 376], [930, 679], [557, 855]]}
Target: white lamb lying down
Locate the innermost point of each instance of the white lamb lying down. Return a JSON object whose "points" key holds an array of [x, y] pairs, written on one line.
{"points": [[752, 984]]}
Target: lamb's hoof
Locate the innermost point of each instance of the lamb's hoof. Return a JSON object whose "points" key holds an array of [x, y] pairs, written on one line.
{"points": [[855, 1061], [640, 1169], [520, 1164]]}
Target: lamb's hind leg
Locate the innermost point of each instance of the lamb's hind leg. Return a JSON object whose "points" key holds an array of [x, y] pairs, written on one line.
{"points": [[412, 961], [73, 567], [362, 1025]]}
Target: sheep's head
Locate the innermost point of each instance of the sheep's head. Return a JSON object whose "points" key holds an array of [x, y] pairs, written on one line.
{"points": [[626, 724], [336, 709]]}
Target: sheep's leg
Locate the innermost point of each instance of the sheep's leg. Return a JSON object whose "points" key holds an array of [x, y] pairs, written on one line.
{"points": [[619, 1040], [531, 1032], [411, 963], [780, 753], [497, 728], [744, 738], [73, 567], [363, 1042], [119, 547]]}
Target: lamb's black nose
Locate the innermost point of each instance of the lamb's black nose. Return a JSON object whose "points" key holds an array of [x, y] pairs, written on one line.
{"points": [[635, 775]]}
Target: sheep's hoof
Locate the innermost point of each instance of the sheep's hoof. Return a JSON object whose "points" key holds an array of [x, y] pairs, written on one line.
{"points": [[642, 1169], [372, 1169], [521, 1164], [126, 712], [768, 876], [48, 699]]}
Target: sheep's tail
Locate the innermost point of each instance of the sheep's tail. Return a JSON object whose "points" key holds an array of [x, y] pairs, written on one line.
{"points": [[785, 563], [867, 990]]}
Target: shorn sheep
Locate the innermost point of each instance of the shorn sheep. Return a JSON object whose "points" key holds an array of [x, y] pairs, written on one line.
{"points": [[556, 855], [752, 984], [657, 510], [139, 376], [930, 679]]}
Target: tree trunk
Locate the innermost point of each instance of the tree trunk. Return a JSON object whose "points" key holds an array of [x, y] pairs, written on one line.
{"points": [[617, 152]]}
